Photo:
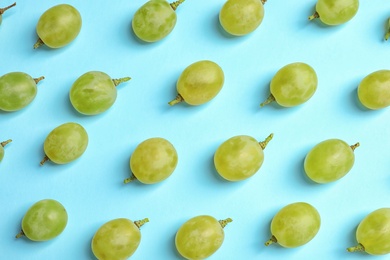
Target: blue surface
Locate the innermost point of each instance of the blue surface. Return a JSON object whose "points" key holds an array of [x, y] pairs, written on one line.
{"points": [[92, 188]]}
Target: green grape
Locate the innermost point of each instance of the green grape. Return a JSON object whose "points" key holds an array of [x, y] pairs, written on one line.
{"points": [[374, 90], [240, 157], [387, 35], [335, 12], [58, 26], [2, 144], [155, 20], [294, 225], [45, 220], [240, 17], [329, 160], [153, 161], [94, 92], [117, 239], [65, 143], [2, 10], [200, 237], [292, 85], [373, 233], [199, 83], [17, 90]]}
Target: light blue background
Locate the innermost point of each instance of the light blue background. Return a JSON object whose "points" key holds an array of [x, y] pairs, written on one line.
{"points": [[91, 188]]}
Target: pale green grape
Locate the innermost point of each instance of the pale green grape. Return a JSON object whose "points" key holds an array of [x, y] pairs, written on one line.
{"points": [[387, 35], [373, 233], [199, 83], [240, 157], [17, 90], [329, 160], [58, 26], [45, 220], [2, 10], [374, 90], [240, 17], [65, 143], [200, 237], [292, 85], [117, 239], [294, 225], [94, 92], [155, 20], [335, 12], [2, 144], [153, 161]]}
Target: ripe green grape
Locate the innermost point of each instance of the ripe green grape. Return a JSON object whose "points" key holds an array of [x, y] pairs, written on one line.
{"points": [[373, 233], [2, 10], [387, 35], [200, 237], [94, 92], [17, 90], [155, 20], [240, 17], [153, 161], [199, 83], [335, 12], [329, 160], [374, 90], [58, 26], [65, 143], [45, 220], [2, 144], [240, 157], [117, 239], [294, 225], [292, 85]]}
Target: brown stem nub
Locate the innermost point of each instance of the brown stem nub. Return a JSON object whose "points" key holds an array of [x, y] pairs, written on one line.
{"points": [[38, 43], [387, 35], [45, 159], [20, 234], [358, 248], [264, 143], [140, 223], [272, 240], [132, 178], [354, 146], [2, 10], [269, 100], [177, 100], [39, 79], [224, 222], [120, 80], [5, 142], [314, 16], [264, 1], [175, 4]]}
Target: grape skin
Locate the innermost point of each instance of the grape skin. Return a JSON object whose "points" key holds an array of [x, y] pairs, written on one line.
{"points": [[335, 12], [374, 90]]}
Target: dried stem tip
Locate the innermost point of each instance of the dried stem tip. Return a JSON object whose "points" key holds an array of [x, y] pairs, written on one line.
{"points": [[121, 80], [269, 100], [128, 180], [38, 43], [387, 35], [264, 143], [2, 10], [272, 240], [39, 79], [140, 223], [5, 142], [177, 100], [45, 159], [314, 16], [354, 146], [224, 222], [175, 4], [358, 248]]}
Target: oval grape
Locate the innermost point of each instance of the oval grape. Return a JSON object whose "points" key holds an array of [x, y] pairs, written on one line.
{"points": [[199, 83], [335, 12], [374, 90], [200, 237], [2, 145], [17, 90], [2, 11]]}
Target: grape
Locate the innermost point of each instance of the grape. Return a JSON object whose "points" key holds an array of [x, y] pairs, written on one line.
{"points": [[94, 92], [374, 90], [17, 90], [292, 85], [2, 10], [200, 237], [335, 12], [387, 35], [2, 144], [153, 161], [240, 157], [58, 26], [329, 160], [199, 83], [240, 17], [65, 143], [117, 239], [155, 20], [294, 225], [373, 233], [45, 220]]}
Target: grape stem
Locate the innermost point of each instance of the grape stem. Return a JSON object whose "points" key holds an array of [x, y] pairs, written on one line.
{"points": [[387, 35], [177, 100], [314, 16], [38, 43], [132, 178], [2, 10], [45, 159], [264, 143], [175, 4], [120, 80], [358, 248], [269, 100], [5, 142], [353, 147], [225, 222], [39, 79], [264, 1], [20, 234], [140, 223], [272, 240]]}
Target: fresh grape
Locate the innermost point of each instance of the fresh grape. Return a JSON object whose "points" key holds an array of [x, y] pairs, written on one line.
{"points": [[292, 85], [387, 35], [45, 220], [58, 26], [155, 20], [94, 92], [17, 90], [240, 157], [329, 160], [240, 17], [294, 225], [117, 239], [2, 144], [200, 237], [153, 161], [199, 83], [2, 10], [374, 90], [373, 233], [335, 12], [65, 143]]}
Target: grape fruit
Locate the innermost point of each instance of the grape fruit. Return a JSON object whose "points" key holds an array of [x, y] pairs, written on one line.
{"points": [[335, 12], [2, 144], [2, 10], [374, 90]]}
